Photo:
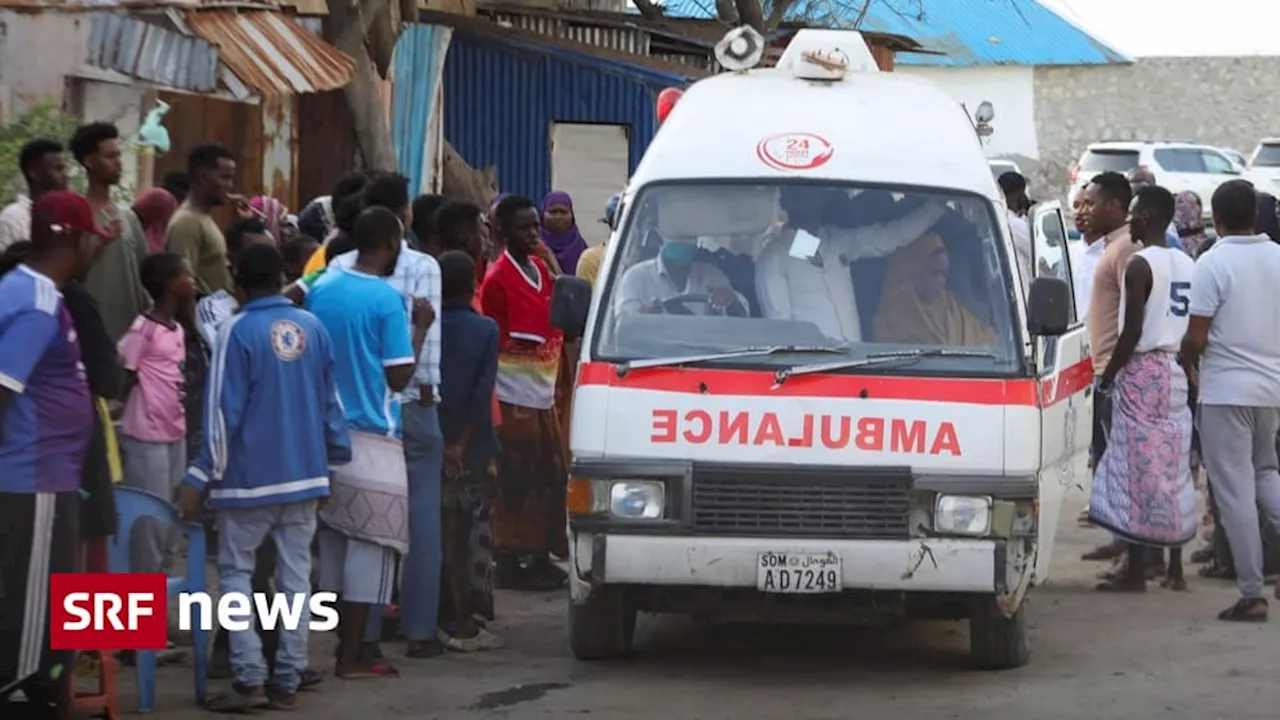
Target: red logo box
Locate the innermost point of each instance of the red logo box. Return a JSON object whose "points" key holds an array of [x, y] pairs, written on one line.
{"points": [[108, 611]]}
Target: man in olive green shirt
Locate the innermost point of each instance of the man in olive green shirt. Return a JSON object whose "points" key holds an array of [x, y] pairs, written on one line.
{"points": [[113, 280], [192, 231]]}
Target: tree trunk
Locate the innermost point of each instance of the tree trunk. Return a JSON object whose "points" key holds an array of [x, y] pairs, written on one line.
{"points": [[346, 28], [462, 182], [750, 12], [727, 11]]}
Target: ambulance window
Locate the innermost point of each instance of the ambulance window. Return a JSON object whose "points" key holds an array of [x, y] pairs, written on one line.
{"points": [[717, 267]]}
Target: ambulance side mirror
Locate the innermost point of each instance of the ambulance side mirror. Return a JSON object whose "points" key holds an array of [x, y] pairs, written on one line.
{"points": [[1048, 307], [570, 304]]}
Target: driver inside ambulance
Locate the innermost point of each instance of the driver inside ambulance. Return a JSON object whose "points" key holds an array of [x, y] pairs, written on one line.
{"points": [[678, 272], [803, 273]]}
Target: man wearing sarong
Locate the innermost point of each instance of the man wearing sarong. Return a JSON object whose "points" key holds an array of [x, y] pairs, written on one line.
{"points": [[528, 508], [1142, 487], [365, 524]]}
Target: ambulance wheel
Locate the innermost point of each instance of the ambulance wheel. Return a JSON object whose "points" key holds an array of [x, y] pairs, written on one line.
{"points": [[603, 626], [997, 642]]}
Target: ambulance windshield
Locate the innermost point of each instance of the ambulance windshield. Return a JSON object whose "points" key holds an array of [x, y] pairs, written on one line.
{"points": [[714, 268]]}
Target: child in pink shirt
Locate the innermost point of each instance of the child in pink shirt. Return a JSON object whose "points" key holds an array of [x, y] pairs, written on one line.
{"points": [[154, 426]]}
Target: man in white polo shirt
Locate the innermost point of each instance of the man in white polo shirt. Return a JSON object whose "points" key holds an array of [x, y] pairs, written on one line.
{"points": [[1235, 326]]}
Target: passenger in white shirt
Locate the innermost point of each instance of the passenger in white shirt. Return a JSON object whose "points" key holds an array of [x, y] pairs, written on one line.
{"points": [[1017, 205], [803, 272], [1085, 255], [1235, 326], [1142, 487]]}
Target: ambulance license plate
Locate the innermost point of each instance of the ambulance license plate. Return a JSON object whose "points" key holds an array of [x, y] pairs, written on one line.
{"points": [[798, 573]]}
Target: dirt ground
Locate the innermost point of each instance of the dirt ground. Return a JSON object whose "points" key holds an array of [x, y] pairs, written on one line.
{"points": [[1094, 656]]}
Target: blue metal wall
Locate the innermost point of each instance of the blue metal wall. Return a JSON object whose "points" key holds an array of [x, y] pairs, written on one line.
{"points": [[417, 56], [502, 95]]}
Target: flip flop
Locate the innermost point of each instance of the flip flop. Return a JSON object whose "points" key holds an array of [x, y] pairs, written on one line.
{"points": [[377, 670], [236, 701], [1116, 586], [308, 679]]}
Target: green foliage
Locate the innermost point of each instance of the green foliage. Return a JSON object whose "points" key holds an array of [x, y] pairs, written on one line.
{"points": [[44, 120]]}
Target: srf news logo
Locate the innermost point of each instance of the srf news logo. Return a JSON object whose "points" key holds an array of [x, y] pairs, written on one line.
{"points": [[127, 611]]}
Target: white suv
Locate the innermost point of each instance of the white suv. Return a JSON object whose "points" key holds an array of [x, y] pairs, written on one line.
{"points": [[1264, 166], [1178, 166]]}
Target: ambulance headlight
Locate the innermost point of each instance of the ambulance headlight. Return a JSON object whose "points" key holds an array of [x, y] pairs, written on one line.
{"points": [[636, 499], [962, 515]]}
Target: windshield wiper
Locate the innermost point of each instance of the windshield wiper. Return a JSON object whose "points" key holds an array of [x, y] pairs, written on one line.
{"points": [[627, 367], [876, 359]]}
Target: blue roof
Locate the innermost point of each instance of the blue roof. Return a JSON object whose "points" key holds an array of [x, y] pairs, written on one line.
{"points": [[967, 32]]}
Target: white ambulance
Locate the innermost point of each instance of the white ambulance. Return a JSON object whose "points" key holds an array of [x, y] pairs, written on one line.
{"points": [[809, 389]]}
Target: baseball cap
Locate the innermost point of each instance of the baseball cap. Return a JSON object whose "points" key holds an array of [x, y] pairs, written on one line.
{"points": [[62, 212]]}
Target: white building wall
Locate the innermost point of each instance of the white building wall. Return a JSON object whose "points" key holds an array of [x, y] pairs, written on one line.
{"points": [[1011, 92]]}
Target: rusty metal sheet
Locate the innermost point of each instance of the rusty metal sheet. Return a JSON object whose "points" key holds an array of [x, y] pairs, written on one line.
{"points": [[280, 148], [135, 47], [271, 52]]}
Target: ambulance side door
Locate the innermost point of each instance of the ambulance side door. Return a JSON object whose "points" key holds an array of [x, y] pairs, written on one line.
{"points": [[1065, 380]]}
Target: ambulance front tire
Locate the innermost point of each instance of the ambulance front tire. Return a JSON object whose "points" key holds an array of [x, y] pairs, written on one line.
{"points": [[602, 627], [997, 642]]}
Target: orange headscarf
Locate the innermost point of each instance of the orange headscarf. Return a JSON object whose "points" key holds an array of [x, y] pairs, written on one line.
{"points": [[154, 208], [903, 317]]}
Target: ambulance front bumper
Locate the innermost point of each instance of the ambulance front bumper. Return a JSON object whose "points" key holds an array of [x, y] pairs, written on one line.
{"points": [[917, 565]]}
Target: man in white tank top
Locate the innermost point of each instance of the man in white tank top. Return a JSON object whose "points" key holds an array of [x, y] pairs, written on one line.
{"points": [[1142, 488]]}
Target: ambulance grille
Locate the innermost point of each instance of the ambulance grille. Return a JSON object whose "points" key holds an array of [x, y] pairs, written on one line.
{"points": [[800, 503]]}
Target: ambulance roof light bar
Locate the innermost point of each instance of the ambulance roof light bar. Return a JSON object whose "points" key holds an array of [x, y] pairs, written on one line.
{"points": [[828, 55]]}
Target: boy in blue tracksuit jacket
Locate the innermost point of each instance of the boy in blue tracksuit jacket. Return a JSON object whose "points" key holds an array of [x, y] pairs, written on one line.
{"points": [[273, 427]]}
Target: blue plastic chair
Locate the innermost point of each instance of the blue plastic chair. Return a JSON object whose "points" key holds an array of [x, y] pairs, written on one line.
{"points": [[132, 504]]}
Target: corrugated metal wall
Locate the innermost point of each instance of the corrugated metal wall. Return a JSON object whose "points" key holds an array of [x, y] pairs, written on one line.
{"points": [[419, 53], [500, 100]]}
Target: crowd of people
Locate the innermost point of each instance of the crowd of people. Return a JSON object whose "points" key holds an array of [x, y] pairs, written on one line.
{"points": [[1185, 335], [373, 382]]}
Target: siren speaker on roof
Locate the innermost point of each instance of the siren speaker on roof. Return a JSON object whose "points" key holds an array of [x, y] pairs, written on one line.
{"points": [[740, 49]]}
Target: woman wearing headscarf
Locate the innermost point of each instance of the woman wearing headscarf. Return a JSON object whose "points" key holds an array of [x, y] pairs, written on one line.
{"points": [[273, 213], [1188, 219], [917, 308], [155, 208], [560, 230]]}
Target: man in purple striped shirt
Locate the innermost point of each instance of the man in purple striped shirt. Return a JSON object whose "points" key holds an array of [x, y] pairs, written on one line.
{"points": [[46, 418]]}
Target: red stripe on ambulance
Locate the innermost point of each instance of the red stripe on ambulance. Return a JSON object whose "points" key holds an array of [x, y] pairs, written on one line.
{"points": [[756, 383]]}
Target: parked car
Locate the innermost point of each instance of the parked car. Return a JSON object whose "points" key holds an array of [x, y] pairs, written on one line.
{"points": [[1236, 157], [1178, 166], [1263, 169], [1000, 167]]}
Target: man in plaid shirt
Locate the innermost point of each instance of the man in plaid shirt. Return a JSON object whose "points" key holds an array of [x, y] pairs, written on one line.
{"points": [[416, 275]]}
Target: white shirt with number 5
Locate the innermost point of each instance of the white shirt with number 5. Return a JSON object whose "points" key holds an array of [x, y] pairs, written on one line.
{"points": [[1168, 306]]}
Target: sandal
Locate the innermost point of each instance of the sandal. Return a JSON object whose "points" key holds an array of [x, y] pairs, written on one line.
{"points": [[238, 700], [1121, 585], [480, 642], [376, 670], [308, 679], [281, 700], [1246, 610], [1216, 572], [1105, 552], [1202, 556]]}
